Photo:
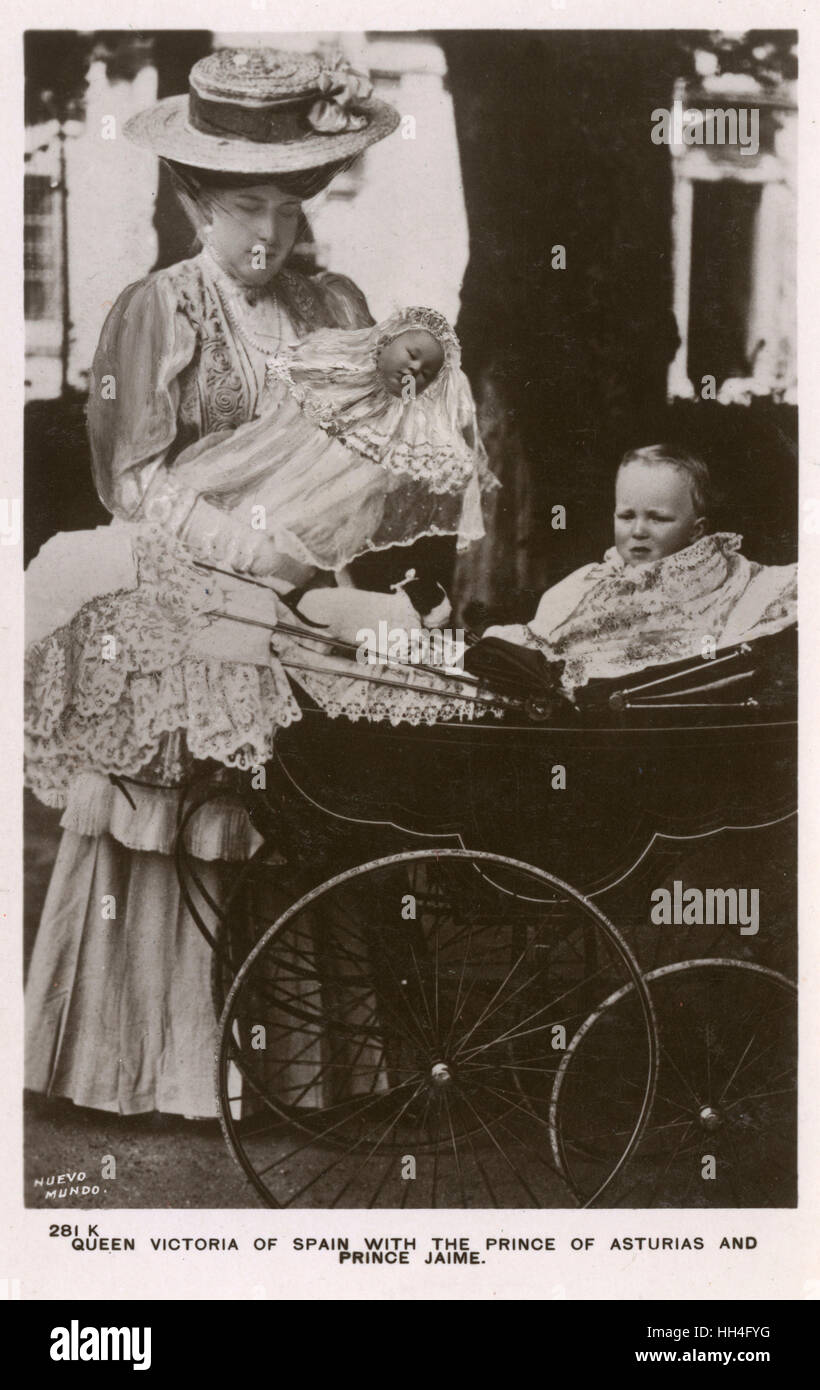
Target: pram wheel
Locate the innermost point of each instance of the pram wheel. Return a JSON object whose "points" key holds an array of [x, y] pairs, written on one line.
{"points": [[394, 1039], [723, 1127]]}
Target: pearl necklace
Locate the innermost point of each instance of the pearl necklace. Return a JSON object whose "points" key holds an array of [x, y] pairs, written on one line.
{"points": [[230, 295], [268, 344]]}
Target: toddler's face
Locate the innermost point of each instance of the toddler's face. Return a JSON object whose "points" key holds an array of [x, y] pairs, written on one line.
{"points": [[654, 512], [414, 355]]}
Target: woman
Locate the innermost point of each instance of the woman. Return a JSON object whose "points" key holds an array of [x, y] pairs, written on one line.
{"points": [[119, 1015]]}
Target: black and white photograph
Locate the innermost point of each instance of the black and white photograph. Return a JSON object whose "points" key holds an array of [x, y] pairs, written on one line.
{"points": [[410, 530]]}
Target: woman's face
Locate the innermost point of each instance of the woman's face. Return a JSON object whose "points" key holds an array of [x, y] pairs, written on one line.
{"points": [[654, 512], [253, 229]]}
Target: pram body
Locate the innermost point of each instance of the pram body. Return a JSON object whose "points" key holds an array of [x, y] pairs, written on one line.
{"points": [[462, 968]]}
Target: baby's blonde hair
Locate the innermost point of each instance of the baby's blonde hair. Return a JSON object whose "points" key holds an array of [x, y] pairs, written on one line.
{"points": [[704, 498]]}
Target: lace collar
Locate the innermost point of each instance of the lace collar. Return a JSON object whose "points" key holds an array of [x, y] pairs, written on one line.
{"points": [[698, 563], [231, 287], [257, 315]]}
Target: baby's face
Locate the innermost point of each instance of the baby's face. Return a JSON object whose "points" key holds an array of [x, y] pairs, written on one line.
{"points": [[414, 355], [654, 512]]}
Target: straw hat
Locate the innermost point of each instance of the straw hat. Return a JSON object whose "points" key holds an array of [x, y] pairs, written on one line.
{"points": [[265, 111]]}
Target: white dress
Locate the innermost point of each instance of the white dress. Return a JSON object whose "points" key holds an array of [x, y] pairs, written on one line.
{"points": [[118, 1007]]}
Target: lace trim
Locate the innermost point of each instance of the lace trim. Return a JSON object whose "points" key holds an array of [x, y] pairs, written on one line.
{"points": [[84, 711], [226, 394], [87, 663], [289, 543], [696, 568], [342, 695], [441, 467], [387, 707], [228, 712], [416, 316]]}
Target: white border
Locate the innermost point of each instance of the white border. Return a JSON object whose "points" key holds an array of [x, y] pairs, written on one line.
{"points": [[786, 1264]]}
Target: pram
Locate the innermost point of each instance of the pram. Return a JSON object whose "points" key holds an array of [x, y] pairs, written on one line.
{"points": [[438, 977]]}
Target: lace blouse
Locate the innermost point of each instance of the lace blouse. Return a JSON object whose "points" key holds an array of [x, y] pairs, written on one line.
{"points": [[179, 369], [180, 363]]}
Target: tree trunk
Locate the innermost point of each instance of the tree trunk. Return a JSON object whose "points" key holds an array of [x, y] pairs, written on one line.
{"points": [[568, 364]]}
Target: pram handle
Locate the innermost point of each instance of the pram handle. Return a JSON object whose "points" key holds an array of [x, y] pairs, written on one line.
{"points": [[291, 598]]}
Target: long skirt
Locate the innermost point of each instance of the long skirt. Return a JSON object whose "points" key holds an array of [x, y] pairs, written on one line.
{"points": [[119, 1008], [119, 1013], [119, 1003]]}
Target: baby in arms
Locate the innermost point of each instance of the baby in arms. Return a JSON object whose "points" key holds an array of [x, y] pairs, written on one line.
{"points": [[366, 440], [668, 582]]}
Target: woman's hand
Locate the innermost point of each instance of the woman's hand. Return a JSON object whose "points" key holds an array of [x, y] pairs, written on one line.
{"points": [[258, 555], [265, 562], [219, 538]]}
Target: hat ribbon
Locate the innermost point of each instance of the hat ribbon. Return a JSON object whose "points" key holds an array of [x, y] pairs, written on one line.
{"points": [[342, 87], [287, 120]]}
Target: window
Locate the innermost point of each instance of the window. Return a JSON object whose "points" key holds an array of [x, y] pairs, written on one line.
{"points": [[724, 216], [41, 249], [734, 217]]}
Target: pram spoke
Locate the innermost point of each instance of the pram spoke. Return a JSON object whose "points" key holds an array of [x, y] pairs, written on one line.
{"points": [[720, 1019], [418, 1037]]}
